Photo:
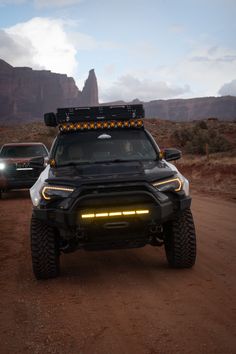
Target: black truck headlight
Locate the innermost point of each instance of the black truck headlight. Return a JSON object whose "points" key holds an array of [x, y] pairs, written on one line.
{"points": [[51, 192], [169, 185]]}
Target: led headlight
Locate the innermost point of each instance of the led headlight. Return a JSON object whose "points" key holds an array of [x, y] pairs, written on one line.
{"points": [[169, 185], [2, 166], [49, 192]]}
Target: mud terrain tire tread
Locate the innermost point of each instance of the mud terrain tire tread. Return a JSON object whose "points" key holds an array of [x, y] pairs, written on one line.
{"points": [[180, 241], [44, 250]]}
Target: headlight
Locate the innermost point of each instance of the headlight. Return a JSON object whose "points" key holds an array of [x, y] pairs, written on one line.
{"points": [[2, 166], [169, 185], [49, 192]]}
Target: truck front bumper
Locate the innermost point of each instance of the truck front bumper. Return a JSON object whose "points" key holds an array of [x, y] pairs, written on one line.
{"points": [[100, 217]]}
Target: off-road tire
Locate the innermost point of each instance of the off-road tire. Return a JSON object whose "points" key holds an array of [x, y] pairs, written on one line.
{"points": [[44, 250], [180, 241]]}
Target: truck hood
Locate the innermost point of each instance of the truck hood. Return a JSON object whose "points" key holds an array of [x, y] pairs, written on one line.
{"points": [[148, 171]]}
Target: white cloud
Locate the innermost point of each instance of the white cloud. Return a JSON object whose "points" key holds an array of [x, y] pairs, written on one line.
{"points": [[129, 87], [228, 89], [16, 52], [47, 43], [205, 69], [44, 42], [86, 42]]}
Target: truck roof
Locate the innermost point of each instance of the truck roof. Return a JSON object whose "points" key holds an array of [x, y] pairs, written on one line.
{"points": [[22, 144]]}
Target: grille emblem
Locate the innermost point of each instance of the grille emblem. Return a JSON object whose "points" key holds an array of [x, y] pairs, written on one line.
{"points": [[22, 165]]}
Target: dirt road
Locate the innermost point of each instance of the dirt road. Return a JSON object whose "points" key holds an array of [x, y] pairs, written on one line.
{"points": [[125, 301]]}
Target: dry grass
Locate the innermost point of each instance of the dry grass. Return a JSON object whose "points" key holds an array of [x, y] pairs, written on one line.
{"points": [[33, 132], [215, 176]]}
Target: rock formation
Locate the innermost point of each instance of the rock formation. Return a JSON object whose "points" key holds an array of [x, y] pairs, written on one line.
{"points": [[26, 94], [89, 95], [223, 108]]}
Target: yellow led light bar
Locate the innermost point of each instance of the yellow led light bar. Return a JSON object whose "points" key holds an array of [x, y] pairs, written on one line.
{"points": [[87, 216], [105, 125], [139, 212], [128, 212], [101, 215], [115, 213], [139, 123], [113, 124]]}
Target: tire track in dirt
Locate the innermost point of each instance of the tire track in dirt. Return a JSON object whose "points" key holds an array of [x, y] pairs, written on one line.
{"points": [[126, 301]]}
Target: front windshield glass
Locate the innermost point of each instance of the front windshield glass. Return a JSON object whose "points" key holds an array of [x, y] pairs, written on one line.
{"points": [[24, 151], [104, 146]]}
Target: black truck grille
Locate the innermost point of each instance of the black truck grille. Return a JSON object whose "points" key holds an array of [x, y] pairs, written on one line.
{"points": [[114, 195], [21, 173]]}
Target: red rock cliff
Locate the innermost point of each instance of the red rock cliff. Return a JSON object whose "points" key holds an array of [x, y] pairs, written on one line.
{"points": [[26, 94], [89, 96]]}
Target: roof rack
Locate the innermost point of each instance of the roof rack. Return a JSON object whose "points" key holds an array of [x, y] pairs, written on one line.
{"points": [[96, 113]]}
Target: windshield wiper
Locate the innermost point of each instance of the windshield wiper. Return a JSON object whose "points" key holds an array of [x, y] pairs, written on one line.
{"points": [[73, 163], [126, 160], [111, 161], [122, 160]]}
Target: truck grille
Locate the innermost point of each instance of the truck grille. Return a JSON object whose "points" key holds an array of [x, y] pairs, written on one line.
{"points": [[20, 172], [115, 195]]}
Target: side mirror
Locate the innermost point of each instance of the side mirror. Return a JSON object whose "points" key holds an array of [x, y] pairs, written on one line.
{"points": [[37, 162], [172, 154], [50, 119]]}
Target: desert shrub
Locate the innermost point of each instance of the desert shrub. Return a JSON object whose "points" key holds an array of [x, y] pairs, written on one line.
{"points": [[201, 125], [182, 136], [194, 139]]}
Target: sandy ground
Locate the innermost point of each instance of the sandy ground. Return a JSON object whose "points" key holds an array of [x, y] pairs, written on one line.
{"points": [[125, 301]]}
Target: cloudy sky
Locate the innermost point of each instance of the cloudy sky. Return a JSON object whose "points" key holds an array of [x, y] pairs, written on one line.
{"points": [[146, 49]]}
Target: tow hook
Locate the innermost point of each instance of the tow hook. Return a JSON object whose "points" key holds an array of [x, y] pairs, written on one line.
{"points": [[156, 231]]}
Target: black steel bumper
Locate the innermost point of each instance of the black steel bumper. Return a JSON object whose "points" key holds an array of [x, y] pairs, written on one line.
{"points": [[67, 216]]}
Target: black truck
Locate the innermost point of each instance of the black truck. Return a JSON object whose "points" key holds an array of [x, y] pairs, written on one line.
{"points": [[108, 186], [15, 172]]}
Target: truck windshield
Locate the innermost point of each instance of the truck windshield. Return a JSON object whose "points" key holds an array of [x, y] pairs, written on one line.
{"points": [[103, 146], [24, 151]]}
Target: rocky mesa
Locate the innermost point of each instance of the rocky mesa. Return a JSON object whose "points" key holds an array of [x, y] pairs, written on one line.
{"points": [[223, 108], [26, 94]]}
